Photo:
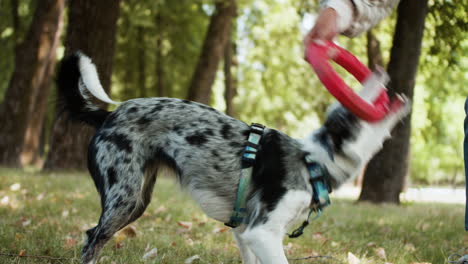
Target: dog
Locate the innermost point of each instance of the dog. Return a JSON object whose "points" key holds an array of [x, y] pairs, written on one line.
{"points": [[204, 148]]}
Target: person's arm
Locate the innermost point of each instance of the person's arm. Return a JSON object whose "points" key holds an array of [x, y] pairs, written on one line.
{"points": [[348, 17], [358, 16]]}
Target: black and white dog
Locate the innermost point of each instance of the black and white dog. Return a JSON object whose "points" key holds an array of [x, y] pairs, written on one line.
{"points": [[204, 148]]}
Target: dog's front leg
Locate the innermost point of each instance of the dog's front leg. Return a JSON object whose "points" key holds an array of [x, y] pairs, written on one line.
{"points": [[247, 255], [266, 244]]}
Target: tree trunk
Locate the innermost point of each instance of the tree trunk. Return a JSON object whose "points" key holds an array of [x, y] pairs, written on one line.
{"points": [[386, 172], [141, 62], [374, 54], [16, 21], [92, 29], [160, 89], [34, 132], [212, 51], [229, 81], [31, 61]]}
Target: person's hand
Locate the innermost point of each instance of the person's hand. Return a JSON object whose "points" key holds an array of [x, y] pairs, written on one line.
{"points": [[325, 27]]}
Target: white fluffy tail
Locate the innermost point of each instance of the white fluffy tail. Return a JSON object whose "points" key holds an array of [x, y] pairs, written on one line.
{"points": [[91, 81]]}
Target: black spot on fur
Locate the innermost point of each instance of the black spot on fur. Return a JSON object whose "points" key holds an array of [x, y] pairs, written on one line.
{"points": [[340, 126], [208, 132], [269, 170], [226, 131], [157, 108], [196, 139], [235, 144], [214, 153], [94, 170], [177, 129], [187, 102], [112, 179], [111, 120], [144, 121], [164, 100], [122, 142], [216, 167], [128, 190], [132, 110]]}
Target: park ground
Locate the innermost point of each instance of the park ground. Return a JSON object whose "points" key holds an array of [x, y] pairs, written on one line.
{"points": [[43, 217]]}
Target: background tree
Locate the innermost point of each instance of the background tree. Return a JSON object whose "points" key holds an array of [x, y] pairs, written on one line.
{"points": [[92, 29], [212, 51], [385, 173], [33, 56]]}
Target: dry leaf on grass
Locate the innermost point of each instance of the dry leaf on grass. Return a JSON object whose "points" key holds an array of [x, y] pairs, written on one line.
{"points": [[352, 259], [218, 230], [151, 254], [410, 247], [191, 259], [380, 252], [129, 231], [70, 242], [22, 253], [184, 224]]}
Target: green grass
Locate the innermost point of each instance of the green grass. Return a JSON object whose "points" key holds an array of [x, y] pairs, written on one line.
{"points": [[49, 212]]}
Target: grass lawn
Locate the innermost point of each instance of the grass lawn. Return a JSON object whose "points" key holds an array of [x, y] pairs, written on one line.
{"points": [[46, 215]]}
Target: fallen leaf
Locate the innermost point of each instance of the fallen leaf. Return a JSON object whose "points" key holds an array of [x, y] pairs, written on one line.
{"points": [[103, 259], [380, 252], [40, 196], [151, 254], [15, 187], [191, 259], [5, 200], [371, 244], [318, 236], [352, 259], [187, 225], [218, 230], [410, 247], [129, 231], [161, 209], [22, 253], [65, 213], [70, 242]]}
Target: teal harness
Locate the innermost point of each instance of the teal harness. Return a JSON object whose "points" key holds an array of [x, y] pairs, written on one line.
{"points": [[319, 179]]}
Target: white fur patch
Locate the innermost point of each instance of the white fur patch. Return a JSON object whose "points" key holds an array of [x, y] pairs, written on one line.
{"points": [[91, 81]]}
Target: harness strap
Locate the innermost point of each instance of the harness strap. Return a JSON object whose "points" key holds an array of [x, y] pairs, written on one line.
{"points": [[321, 187], [248, 161]]}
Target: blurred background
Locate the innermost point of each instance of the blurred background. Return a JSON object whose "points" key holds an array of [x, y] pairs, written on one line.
{"points": [[243, 57]]}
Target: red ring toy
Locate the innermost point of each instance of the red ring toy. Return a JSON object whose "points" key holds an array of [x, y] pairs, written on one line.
{"points": [[318, 53]]}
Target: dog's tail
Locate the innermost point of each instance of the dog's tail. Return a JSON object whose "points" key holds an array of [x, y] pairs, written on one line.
{"points": [[77, 79]]}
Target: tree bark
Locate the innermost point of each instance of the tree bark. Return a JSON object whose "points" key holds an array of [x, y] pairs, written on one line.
{"points": [[92, 29], [230, 83], [141, 61], [160, 88], [212, 51], [31, 62], [374, 54], [34, 131], [386, 172]]}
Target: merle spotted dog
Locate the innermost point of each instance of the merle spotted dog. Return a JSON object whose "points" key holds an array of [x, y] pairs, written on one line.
{"points": [[204, 148]]}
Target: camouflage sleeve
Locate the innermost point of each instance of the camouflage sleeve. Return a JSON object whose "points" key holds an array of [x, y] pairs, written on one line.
{"points": [[357, 16]]}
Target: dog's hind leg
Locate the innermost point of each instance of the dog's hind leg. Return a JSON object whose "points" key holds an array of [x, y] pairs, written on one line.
{"points": [[247, 255], [124, 203]]}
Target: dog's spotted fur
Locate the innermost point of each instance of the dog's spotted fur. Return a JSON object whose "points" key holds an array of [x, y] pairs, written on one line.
{"points": [[204, 147]]}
